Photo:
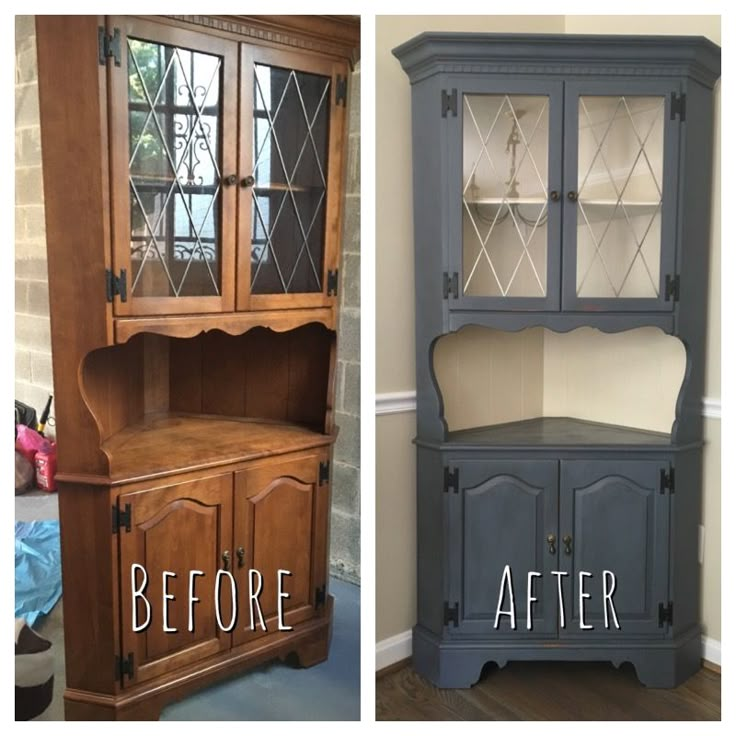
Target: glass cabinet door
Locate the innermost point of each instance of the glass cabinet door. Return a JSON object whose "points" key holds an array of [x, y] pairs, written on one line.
{"points": [[288, 215], [173, 169], [619, 200], [509, 203]]}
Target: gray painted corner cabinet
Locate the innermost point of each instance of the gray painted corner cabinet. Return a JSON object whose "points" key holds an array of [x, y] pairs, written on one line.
{"points": [[560, 182]]}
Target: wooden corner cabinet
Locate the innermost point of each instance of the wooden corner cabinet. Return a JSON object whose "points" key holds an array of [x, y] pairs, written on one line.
{"points": [[193, 179], [560, 182]]}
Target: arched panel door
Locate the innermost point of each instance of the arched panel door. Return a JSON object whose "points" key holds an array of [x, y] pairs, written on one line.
{"points": [[616, 517], [163, 524], [281, 511], [504, 514]]}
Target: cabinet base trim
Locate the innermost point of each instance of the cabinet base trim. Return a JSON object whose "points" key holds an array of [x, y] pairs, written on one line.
{"points": [[310, 642], [458, 664]]}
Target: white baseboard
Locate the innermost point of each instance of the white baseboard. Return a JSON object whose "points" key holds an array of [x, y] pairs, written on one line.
{"points": [[712, 650], [395, 648], [392, 650]]}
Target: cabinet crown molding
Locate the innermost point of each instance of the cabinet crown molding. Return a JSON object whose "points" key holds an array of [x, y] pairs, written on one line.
{"points": [[560, 54], [326, 34]]}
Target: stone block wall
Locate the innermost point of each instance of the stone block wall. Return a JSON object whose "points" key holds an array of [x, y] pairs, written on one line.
{"points": [[33, 374], [345, 527]]}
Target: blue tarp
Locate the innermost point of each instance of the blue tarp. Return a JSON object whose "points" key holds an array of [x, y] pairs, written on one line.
{"points": [[37, 568]]}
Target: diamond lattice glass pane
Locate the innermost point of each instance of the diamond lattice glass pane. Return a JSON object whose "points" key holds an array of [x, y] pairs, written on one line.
{"points": [[620, 165], [174, 113], [505, 150], [291, 119]]}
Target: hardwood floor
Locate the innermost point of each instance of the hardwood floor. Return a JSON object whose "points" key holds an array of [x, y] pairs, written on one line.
{"points": [[549, 691]]}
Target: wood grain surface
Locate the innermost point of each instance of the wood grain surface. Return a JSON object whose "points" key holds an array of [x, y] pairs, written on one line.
{"points": [[549, 691]]}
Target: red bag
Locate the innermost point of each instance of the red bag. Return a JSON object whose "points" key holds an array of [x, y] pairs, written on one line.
{"points": [[28, 442]]}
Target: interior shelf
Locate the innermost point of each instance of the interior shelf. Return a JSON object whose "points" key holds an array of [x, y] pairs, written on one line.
{"points": [[543, 200], [506, 200], [175, 442], [279, 187], [556, 432]]}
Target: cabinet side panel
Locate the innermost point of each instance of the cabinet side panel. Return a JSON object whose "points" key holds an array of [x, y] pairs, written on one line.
{"points": [[431, 537], [696, 165], [430, 236], [74, 144], [685, 569], [113, 385], [89, 560]]}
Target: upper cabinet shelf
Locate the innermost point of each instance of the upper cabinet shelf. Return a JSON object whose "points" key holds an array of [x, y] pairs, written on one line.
{"points": [[226, 171], [560, 161]]}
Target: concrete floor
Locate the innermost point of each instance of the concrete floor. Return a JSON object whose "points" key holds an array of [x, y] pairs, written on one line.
{"points": [[329, 691]]}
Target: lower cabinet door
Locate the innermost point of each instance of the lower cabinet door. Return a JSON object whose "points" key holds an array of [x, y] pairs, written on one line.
{"points": [[503, 517], [174, 530], [614, 518], [281, 514]]}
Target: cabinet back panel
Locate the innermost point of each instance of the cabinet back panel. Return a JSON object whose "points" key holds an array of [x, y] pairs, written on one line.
{"points": [[272, 375], [185, 375], [631, 378], [267, 391]]}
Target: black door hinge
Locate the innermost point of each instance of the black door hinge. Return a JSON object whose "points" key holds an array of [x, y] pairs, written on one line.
{"points": [[449, 285], [109, 46], [452, 479], [116, 285], [452, 614], [332, 282], [341, 90], [324, 473], [121, 519], [672, 288], [449, 103], [665, 614], [677, 106], [320, 595], [667, 480], [124, 667]]}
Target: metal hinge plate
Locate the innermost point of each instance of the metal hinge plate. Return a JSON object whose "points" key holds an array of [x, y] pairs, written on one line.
{"points": [[116, 285], [451, 614], [667, 480], [452, 479], [324, 473], [121, 519], [332, 282], [124, 667], [665, 614], [449, 103], [341, 90], [677, 106], [449, 285], [108, 46], [672, 287], [320, 596]]}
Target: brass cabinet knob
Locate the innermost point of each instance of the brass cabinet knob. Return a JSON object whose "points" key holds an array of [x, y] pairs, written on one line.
{"points": [[551, 539], [567, 541], [248, 181], [572, 196], [241, 557], [230, 180], [226, 560], [554, 195]]}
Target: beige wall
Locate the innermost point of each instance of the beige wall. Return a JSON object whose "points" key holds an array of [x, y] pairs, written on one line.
{"points": [[395, 515]]}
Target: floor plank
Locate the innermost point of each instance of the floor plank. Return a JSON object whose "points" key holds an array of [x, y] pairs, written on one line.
{"points": [[545, 691]]}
